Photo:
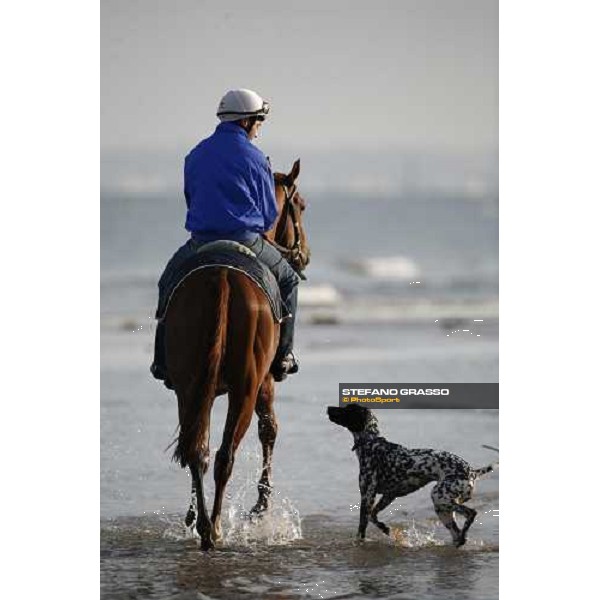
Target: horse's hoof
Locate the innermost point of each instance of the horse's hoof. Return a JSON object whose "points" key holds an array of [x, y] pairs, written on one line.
{"points": [[207, 544], [217, 534], [256, 513], [259, 509]]}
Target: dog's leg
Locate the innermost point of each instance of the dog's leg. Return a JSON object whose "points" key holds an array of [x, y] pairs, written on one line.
{"points": [[444, 505], [446, 515], [469, 514], [366, 506], [384, 502]]}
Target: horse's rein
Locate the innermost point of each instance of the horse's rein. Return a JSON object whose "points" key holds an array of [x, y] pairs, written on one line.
{"points": [[288, 208]]}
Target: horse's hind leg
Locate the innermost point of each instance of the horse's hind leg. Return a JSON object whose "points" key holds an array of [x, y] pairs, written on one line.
{"points": [[192, 512], [267, 433], [197, 460], [201, 466], [198, 468], [239, 415], [203, 525], [190, 517]]}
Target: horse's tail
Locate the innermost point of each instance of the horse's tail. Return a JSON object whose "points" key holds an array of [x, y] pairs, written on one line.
{"points": [[196, 414]]}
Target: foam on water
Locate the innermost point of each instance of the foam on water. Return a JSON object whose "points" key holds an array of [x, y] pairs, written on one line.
{"points": [[401, 268], [281, 524]]}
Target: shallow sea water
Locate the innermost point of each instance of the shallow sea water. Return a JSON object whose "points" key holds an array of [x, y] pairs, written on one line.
{"points": [[154, 557], [306, 546]]}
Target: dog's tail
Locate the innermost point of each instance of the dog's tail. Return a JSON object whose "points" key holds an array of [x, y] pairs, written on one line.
{"points": [[477, 473]]}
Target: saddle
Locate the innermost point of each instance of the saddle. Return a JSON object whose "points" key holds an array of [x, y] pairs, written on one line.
{"points": [[230, 255]]}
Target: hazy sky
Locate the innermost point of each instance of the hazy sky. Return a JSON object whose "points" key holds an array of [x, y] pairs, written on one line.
{"points": [[407, 73]]}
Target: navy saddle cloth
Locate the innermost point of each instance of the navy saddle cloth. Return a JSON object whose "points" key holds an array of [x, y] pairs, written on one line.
{"points": [[229, 254]]}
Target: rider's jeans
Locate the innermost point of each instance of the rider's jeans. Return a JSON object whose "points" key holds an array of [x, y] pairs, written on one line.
{"points": [[288, 282]]}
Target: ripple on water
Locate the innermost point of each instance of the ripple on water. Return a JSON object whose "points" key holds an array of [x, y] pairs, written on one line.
{"points": [[156, 557]]}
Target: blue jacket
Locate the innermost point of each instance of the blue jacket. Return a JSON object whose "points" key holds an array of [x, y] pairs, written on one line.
{"points": [[229, 187]]}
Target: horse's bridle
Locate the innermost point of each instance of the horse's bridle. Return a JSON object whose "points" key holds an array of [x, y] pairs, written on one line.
{"points": [[295, 251]]}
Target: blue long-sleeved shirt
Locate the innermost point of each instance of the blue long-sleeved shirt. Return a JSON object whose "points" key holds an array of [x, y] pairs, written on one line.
{"points": [[229, 187]]}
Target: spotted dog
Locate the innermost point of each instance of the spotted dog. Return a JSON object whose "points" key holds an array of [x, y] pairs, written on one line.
{"points": [[393, 471]]}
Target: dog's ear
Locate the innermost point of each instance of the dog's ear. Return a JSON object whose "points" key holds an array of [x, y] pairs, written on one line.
{"points": [[357, 419]]}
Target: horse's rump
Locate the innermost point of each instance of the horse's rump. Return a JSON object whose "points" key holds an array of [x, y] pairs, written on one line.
{"points": [[230, 255], [216, 318]]}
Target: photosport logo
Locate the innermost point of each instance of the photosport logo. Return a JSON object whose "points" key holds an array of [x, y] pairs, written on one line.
{"points": [[420, 395]]}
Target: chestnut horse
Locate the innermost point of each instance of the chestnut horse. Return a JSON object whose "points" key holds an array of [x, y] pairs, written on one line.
{"points": [[221, 338]]}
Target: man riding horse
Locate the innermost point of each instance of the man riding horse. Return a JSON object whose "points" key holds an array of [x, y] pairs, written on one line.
{"points": [[230, 195]]}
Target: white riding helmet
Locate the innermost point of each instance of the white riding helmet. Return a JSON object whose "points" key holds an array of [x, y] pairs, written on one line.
{"points": [[241, 104]]}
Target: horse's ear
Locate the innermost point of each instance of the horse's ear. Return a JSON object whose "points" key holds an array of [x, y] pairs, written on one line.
{"points": [[295, 171]]}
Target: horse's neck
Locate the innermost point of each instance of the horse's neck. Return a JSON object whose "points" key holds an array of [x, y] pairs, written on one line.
{"points": [[279, 232]]}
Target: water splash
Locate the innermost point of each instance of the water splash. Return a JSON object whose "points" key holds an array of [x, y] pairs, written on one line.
{"points": [[176, 530], [416, 536], [281, 524]]}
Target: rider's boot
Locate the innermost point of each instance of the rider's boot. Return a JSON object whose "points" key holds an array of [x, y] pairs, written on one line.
{"points": [[285, 362], [287, 366], [158, 367]]}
